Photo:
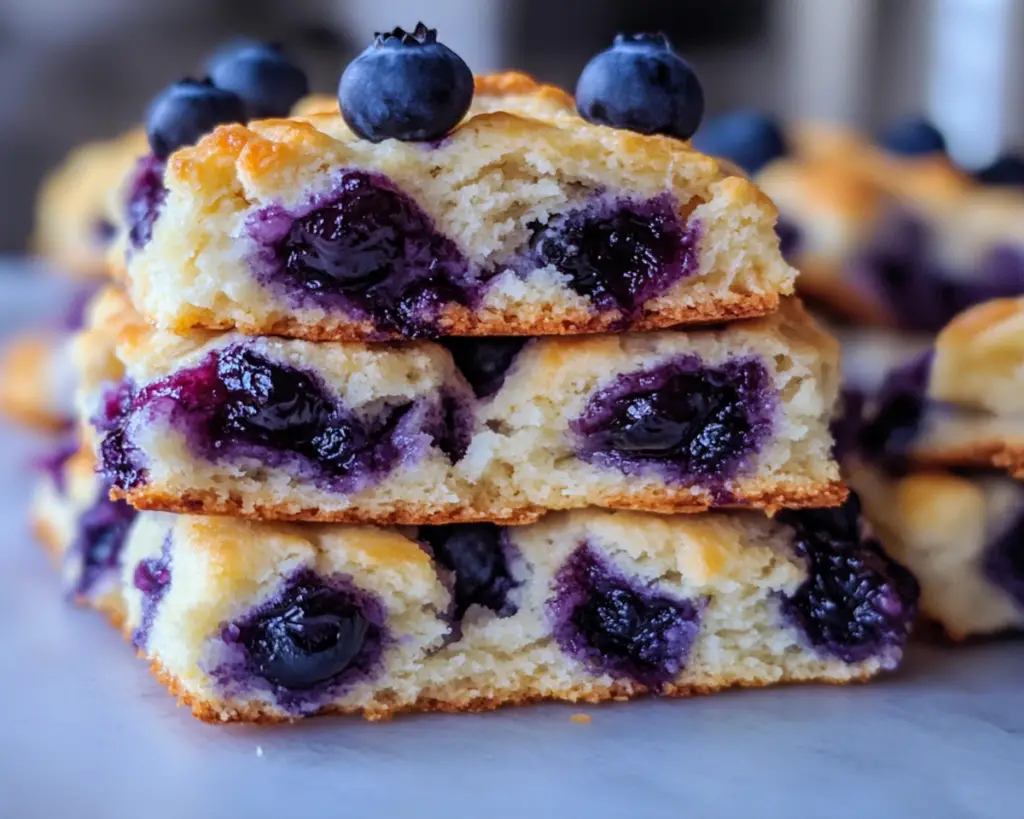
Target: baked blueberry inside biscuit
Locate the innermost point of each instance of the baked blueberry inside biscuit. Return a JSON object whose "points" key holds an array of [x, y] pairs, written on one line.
{"points": [[619, 626], [691, 422], [857, 602], [239, 404]]}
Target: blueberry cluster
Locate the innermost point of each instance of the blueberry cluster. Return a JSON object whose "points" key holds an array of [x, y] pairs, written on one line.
{"points": [[244, 81]]}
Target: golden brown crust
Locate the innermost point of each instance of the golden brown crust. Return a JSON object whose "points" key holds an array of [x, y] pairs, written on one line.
{"points": [[457, 320], [214, 712], [1002, 454], [516, 83], [272, 161], [1011, 458], [662, 500]]}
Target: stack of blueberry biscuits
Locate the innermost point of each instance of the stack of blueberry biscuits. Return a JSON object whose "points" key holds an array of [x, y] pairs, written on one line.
{"points": [[450, 393], [893, 234]]}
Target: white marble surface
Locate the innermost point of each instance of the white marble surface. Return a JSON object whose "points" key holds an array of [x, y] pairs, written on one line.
{"points": [[86, 732]]}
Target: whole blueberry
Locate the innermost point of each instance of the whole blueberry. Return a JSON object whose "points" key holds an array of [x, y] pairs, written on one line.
{"points": [[642, 85], [187, 110], [227, 51], [405, 86], [263, 76], [913, 137], [751, 139], [1007, 170]]}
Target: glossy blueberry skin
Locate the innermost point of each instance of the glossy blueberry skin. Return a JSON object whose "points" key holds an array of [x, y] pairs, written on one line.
{"points": [[912, 138], [306, 640], [640, 84], [1006, 171], [405, 86], [688, 422], [619, 252], [857, 602], [309, 643], [262, 76], [750, 139], [186, 111]]}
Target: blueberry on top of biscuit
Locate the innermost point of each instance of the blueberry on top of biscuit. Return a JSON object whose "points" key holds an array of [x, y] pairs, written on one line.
{"points": [[185, 111], [913, 137], [750, 139], [262, 75], [641, 84], [405, 86]]}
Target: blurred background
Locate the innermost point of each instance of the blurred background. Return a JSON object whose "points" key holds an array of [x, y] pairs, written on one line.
{"points": [[81, 69]]}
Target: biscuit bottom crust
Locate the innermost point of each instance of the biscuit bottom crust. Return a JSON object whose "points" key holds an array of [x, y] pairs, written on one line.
{"points": [[456, 701], [460, 321], [771, 499], [1006, 455]]}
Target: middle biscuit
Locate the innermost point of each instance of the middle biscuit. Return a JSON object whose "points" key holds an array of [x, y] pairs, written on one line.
{"points": [[501, 430]]}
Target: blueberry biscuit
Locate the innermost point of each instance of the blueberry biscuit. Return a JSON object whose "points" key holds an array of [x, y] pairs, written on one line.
{"points": [[37, 381], [524, 220], [502, 429], [908, 240], [270, 622], [961, 403], [961, 536], [76, 212], [37, 373], [82, 529], [889, 233]]}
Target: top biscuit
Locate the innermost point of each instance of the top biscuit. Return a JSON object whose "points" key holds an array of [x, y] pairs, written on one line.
{"points": [[525, 220]]}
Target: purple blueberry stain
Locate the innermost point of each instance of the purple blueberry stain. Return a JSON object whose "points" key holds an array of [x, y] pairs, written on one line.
{"points": [[485, 361], [790, 239], [886, 432], [902, 269], [121, 462], [146, 195], [691, 422], [315, 639], [238, 404], [152, 577], [102, 231], [1003, 562], [94, 557], [618, 626], [480, 559], [365, 249], [54, 463], [619, 252], [857, 603]]}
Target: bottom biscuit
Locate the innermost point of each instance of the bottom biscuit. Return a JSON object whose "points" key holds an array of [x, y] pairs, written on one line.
{"points": [[261, 622], [274, 622]]}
